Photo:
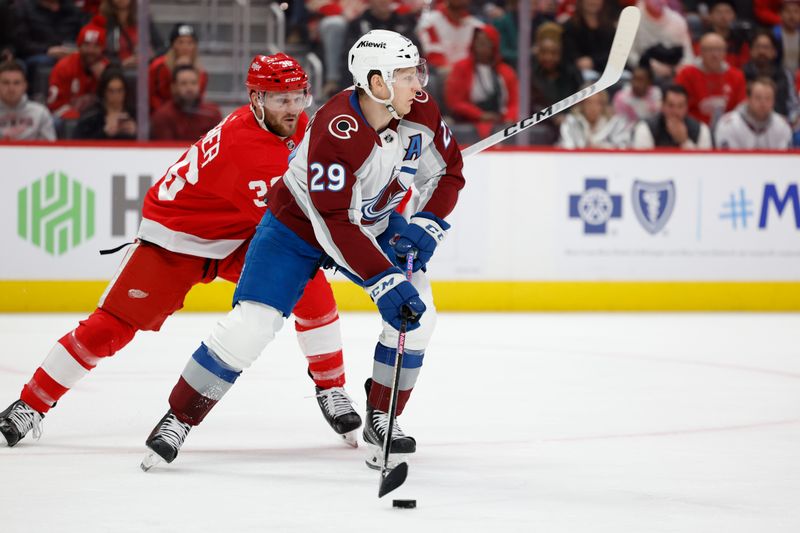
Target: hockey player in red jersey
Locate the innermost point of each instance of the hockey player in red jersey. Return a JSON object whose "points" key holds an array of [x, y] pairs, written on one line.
{"points": [[362, 151], [197, 221]]}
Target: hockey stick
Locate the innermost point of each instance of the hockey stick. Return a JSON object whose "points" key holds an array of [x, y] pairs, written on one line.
{"points": [[391, 478], [617, 58]]}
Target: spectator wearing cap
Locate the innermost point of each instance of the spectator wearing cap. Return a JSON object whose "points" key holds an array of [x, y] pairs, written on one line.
{"points": [[446, 34], [183, 50], [722, 21], [672, 127], [763, 63], [481, 89], [186, 117], [787, 34], [109, 118], [45, 31], [755, 125], [73, 81], [118, 18], [640, 98], [714, 87], [662, 39], [21, 119]]}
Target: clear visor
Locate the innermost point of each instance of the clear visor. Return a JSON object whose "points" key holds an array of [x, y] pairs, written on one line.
{"points": [[406, 77], [292, 101]]}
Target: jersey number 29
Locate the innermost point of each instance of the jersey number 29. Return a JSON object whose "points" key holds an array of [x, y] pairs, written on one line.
{"points": [[333, 179]]}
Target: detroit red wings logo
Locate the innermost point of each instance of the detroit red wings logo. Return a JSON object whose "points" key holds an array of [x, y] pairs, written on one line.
{"points": [[377, 207]]}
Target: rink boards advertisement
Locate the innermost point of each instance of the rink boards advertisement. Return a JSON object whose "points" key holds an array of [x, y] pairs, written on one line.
{"points": [[533, 230]]}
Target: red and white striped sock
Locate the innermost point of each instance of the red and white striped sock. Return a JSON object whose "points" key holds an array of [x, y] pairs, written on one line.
{"points": [[320, 340], [74, 356]]}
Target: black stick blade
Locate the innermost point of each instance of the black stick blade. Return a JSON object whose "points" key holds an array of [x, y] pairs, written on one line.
{"points": [[393, 479]]}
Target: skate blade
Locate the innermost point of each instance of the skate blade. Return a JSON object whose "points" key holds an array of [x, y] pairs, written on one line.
{"points": [[351, 438], [150, 460], [375, 458]]}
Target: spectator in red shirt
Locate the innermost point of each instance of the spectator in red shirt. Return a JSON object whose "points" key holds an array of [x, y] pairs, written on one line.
{"points": [[714, 87], [186, 116], [481, 89], [182, 51], [722, 21], [73, 81]]}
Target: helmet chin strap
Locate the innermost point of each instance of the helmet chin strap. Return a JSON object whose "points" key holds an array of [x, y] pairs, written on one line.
{"points": [[388, 102]]}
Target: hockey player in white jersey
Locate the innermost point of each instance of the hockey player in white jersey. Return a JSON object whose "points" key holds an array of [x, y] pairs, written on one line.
{"points": [[361, 153]]}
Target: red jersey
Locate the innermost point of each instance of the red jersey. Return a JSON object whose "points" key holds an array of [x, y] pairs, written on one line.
{"points": [[69, 79], [209, 202], [712, 93], [346, 178]]}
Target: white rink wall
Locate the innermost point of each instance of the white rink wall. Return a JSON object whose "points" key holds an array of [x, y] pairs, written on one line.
{"points": [[524, 216]]}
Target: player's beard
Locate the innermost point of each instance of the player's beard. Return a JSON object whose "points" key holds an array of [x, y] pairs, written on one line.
{"points": [[277, 124]]}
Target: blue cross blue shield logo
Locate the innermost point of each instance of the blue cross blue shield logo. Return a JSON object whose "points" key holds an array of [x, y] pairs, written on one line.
{"points": [[653, 203]]}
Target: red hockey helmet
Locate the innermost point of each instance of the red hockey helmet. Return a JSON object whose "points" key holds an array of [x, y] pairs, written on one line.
{"points": [[276, 73]]}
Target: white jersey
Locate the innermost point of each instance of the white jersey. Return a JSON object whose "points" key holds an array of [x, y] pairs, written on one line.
{"points": [[345, 178]]}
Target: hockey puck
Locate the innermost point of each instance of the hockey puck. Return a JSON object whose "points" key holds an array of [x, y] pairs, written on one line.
{"points": [[404, 504]]}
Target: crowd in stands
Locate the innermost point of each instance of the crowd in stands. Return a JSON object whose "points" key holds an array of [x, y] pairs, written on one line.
{"points": [[703, 74], [68, 70]]}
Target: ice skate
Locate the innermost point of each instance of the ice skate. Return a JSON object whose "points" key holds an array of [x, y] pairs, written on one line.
{"points": [[337, 408], [165, 441], [374, 435], [18, 420]]}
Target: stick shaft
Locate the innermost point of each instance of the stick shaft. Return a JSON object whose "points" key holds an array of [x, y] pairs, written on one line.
{"points": [[398, 366], [617, 57]]}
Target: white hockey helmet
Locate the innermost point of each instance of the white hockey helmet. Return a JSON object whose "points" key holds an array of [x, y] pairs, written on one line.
{"points": [[384, 51]]}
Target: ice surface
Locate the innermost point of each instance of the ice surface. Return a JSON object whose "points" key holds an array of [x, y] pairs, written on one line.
{"points": [[524, 422]]}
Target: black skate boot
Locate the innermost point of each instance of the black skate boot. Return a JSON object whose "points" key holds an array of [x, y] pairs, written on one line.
{"points": [[375, 434], [18, 420], [337, 408], [165, 441]]}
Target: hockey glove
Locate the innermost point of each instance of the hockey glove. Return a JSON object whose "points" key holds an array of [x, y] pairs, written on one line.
{"points": [[396, 298], [424, 233]]}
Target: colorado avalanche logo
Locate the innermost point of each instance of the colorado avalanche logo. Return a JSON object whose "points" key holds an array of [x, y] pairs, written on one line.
{"points": [[342, 125], [421, 97], [653, 203], [384, 202]]}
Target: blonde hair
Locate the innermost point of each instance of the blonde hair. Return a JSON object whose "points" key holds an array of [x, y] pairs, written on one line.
{"points": [[170, 58], [549, 30]]}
